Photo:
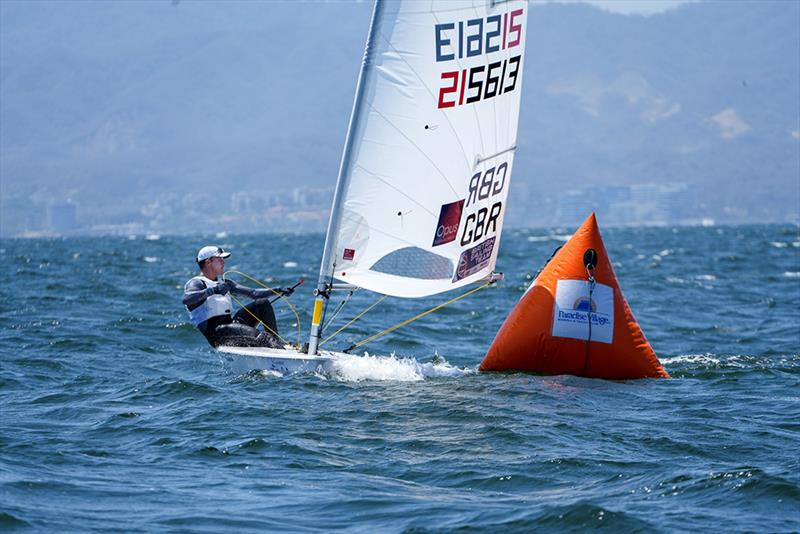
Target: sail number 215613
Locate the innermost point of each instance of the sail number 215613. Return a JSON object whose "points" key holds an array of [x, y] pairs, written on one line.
{"points": [[478, 83]]}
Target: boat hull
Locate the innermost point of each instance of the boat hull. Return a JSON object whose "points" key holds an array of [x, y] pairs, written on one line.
{"points": [[284, 361]]}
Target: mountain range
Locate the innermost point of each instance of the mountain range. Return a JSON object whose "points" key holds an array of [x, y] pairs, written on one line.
{"points": [[116, 104]]}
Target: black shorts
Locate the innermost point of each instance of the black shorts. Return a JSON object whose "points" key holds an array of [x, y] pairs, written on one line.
{"points": [[241, 329]]}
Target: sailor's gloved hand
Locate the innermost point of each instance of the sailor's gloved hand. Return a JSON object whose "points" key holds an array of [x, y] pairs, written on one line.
{"points": [[287, 292], [223, 288]]}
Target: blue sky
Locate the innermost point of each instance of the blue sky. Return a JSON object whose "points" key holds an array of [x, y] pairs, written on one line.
{"points": [[643, 7]]}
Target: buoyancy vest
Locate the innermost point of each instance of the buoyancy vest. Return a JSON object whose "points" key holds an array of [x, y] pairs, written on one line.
{"points": [[214, 305]]}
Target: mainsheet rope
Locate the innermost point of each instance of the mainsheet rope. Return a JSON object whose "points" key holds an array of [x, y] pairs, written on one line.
{"points": [[590, 261], [354, 319], [418, 316]]}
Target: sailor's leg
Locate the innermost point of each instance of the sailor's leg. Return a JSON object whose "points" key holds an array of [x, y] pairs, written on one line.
{"points": [[236, 335], [267, 339], [209, 328], [262, 309]]}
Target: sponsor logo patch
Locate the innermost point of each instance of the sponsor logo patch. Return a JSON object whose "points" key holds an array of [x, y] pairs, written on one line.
{"points": [[573, 308], [349, 254], [474, 259], [449, 219]]}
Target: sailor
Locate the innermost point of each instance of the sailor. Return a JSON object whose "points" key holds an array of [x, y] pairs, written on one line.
{"points": [[208, 300]]}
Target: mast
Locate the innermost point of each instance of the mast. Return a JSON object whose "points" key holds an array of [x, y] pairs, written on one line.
{"points": [[322, 291]]}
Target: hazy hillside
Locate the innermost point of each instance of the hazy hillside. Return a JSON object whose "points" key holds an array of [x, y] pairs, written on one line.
{"points": [[197, 92], [117, 104], [706, 94]]}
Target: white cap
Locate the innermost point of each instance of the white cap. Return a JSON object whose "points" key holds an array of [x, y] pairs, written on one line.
{"points": [[211, 251]]}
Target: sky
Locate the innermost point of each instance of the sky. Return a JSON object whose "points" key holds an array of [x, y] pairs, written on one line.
{"points": [[639, 7]]}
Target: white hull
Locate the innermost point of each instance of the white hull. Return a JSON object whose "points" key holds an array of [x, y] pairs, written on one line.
{"points": [[284, 361]]}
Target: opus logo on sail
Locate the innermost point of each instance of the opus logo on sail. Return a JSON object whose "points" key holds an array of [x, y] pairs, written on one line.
{"points": [[477, 37], [449, 220]]}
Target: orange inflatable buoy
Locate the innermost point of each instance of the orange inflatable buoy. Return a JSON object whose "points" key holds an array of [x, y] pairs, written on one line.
{"points": [[575, 320]]}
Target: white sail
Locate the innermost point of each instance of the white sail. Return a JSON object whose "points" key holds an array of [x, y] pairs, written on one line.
{"points": [[424, 180]]}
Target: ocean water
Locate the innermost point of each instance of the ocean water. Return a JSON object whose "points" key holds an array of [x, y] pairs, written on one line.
{"points": [[116, 415]]}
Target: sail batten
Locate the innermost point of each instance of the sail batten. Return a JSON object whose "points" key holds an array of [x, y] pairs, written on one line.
{"points": [[422, 190]]}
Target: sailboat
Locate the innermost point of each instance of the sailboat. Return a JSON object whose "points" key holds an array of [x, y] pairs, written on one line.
{"points": [[421, 192]]}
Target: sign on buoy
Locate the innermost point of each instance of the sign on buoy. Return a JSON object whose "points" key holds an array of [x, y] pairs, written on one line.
{"points": [[575, 320]]}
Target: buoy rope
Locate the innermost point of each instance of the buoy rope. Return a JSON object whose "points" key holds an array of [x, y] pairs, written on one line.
{"points": [[590, 273], [280, 296], [418, 316], [354, 319]]}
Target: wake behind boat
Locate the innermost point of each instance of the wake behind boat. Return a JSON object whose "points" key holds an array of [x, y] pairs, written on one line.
{"points": [[421, 192]]}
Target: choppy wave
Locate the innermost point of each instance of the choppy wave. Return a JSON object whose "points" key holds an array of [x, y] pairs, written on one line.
{"points": [[734, 361], [118, 416]]}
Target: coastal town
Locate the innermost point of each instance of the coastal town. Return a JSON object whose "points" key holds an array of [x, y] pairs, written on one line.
{"points": [[306, 209]]}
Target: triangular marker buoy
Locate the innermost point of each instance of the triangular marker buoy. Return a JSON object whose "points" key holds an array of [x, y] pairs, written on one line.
{"points": [[565, 323]]}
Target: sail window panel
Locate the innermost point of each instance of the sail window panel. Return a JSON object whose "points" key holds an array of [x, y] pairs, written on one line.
{"points": [[396, 286], [414, 262]]}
